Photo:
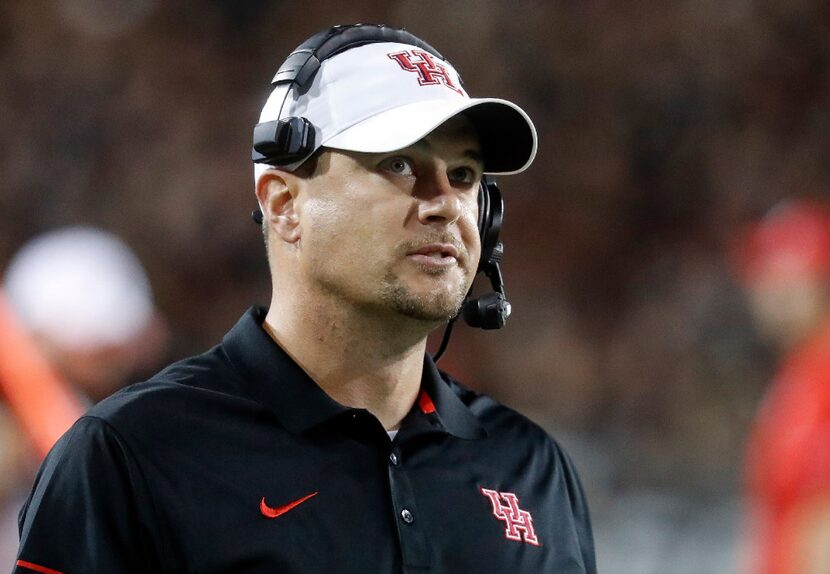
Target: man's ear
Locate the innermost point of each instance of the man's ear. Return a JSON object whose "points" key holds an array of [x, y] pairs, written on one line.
{"points": [[276, 191]]}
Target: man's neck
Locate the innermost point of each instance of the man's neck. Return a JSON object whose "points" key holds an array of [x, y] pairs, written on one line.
{"points": [[360, 361]]}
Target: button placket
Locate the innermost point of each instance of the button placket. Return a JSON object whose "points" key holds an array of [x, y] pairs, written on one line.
{"points": [[413, 540]]}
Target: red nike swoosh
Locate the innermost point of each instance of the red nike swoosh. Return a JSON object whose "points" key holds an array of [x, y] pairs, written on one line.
{"points": [[270, 512]]}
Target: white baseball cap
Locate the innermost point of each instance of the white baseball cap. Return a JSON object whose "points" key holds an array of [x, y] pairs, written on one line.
{"points": [[385, 96]]}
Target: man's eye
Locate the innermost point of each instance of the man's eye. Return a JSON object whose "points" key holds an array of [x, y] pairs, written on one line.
{"points": [[398, 165], [464, 175]]}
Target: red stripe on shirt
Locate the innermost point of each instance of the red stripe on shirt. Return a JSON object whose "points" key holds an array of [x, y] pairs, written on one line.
{"points": [[37, 568], [426, 404]]}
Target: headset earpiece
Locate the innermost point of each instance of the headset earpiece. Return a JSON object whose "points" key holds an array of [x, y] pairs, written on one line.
{"points": [[281, 142], [490, 214]]}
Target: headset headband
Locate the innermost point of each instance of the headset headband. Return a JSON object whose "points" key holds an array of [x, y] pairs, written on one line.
{"points": [[306, 58]]}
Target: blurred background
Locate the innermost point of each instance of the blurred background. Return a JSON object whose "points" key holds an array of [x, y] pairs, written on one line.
{"points": [[664, 127]]}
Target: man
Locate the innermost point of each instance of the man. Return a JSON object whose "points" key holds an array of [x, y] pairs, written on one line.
{"points": [[319, 436], [784, 265]]}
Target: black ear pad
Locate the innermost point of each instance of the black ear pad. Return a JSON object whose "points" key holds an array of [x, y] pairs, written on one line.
{"points": [[490, 214], [281, 142]]}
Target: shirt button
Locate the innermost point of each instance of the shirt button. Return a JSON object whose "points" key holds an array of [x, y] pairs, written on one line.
{"points": [[407, 516], [393, 458]]}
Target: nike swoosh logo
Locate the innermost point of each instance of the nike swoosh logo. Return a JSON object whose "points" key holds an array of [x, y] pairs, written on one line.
{"points": [[270, 512]]}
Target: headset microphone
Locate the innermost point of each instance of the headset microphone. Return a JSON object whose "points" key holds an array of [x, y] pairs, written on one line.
{"points": [[491, 310]]}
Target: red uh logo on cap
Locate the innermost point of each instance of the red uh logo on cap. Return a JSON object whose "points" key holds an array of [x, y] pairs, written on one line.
{"points": [[429, 71]]}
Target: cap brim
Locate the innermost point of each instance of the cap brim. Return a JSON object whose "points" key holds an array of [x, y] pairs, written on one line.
{"points": [[507, 135]]}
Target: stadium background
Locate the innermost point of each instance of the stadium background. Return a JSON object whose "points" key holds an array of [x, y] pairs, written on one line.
{"points": [[663, 127]]}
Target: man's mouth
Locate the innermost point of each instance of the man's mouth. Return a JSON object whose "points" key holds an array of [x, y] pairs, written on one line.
{"points": [[436, 254]]}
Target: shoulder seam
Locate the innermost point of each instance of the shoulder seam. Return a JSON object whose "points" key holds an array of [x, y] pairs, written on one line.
{"points": [[124, 443]]}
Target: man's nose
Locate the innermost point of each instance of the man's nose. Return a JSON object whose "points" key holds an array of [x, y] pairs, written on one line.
{"points": [[439, 201]]}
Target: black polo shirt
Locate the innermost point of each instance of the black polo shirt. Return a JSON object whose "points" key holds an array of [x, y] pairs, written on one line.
{"points": [[235, 461]]}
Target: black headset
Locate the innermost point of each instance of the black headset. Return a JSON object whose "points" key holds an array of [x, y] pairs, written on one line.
{"points": [[284, 141]]}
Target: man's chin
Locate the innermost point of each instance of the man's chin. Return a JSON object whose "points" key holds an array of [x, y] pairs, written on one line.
{"points": [[429, 316], [430, 298], [430, 306]]}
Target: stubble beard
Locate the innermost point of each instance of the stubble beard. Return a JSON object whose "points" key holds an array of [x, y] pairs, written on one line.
{"points": [[437, 306]]}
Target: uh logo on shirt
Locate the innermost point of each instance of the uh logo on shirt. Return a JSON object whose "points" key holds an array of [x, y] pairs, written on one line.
{"points": [[518, 522]]}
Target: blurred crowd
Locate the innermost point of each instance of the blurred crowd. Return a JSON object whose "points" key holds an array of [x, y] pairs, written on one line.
{"points": [[664, 128]]}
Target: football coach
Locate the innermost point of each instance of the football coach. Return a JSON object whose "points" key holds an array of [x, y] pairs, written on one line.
{"points": [[318, 436]]}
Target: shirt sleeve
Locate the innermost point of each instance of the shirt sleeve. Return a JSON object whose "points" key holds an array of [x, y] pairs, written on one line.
{"points": [[579, 509], [88, 511]]}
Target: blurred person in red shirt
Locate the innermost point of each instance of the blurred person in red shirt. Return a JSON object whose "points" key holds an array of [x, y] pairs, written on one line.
{"points": [[784, 265]]}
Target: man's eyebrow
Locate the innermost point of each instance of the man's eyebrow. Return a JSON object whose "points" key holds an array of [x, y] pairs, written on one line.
{"points": [[476, 156]]}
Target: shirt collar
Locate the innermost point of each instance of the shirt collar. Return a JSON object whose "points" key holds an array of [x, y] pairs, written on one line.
{"points": [[452, 413], [273, 379]]}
